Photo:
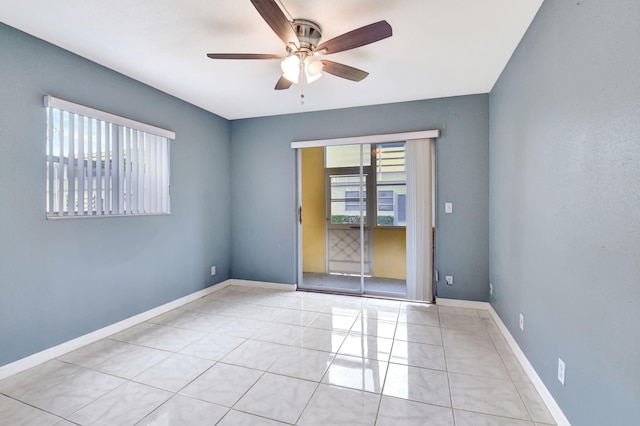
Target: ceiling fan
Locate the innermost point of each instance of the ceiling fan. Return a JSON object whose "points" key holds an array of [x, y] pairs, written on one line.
{"points": [[301, 38]]}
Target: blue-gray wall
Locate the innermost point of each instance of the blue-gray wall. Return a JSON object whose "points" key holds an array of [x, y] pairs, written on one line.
{"points": [[263, 173], [565, 204], [62, 279]]}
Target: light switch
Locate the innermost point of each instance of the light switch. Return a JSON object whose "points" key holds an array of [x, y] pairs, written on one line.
{"points": [[448, 207]]}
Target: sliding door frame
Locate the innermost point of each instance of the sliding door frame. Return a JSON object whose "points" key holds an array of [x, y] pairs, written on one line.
{"points": [[424, 293]]}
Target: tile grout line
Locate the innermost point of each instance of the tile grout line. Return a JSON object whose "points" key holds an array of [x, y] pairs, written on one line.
{"points": [[386, 376]]}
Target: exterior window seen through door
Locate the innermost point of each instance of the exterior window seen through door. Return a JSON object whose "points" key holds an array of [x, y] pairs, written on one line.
{"points": [[344, 207], [389, 183]]}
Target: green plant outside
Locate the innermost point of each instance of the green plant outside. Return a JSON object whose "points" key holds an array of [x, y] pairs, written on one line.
{"points": [[342, 219]]}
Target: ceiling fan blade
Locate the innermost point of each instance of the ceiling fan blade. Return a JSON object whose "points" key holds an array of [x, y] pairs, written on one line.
{"points": [[283, 84], [243, 56], [358, 37], [344, 71], [273, 15]]}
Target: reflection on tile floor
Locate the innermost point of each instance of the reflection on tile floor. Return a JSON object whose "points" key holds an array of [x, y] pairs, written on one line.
{"points": [[247, 356]]}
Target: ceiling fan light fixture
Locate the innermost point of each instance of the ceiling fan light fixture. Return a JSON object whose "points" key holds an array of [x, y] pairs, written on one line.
{"points": [[313, 69], [291, 68], [312, 78]]}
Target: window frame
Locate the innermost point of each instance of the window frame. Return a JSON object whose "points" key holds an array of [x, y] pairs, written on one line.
{"points": [[126, 161]]}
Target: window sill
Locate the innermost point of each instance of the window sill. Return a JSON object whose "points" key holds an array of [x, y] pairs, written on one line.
{"points": [[67, 217]]}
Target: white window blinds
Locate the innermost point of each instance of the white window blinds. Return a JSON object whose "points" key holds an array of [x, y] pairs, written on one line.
{"points": [[100, 164]]}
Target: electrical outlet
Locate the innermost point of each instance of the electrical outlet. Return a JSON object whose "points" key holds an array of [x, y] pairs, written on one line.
{"points": [[490, 289], [213, 270], [449, 279], [561, 371], [521, 321]]}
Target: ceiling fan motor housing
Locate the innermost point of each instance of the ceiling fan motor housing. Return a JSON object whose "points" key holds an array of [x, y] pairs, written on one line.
{"points": [[308, 32]]}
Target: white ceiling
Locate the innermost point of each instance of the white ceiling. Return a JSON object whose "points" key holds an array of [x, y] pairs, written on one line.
{"points": [[439, 48]]}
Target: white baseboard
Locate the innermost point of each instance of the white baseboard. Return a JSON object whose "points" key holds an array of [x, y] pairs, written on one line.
{"points": [[470, 304], [71, 345], [262, 284], [544, 393]]}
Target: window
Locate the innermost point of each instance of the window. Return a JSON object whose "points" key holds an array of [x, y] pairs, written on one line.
{"points": [[402, 209], [347, 156], [345, 199], [391, 184], [384, 174], [385, 201], [352, 200], [100, 164]]}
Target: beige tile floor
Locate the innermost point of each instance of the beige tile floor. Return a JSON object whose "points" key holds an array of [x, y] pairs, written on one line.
{"points": [[246, 356]]}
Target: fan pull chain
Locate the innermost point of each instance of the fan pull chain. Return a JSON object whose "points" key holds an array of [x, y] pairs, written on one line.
{"points": [[301, 79]]}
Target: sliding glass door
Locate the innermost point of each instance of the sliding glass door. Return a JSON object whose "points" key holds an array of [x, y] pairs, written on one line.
{"points": [[360, 252], [369, 214], [340, 208]]}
